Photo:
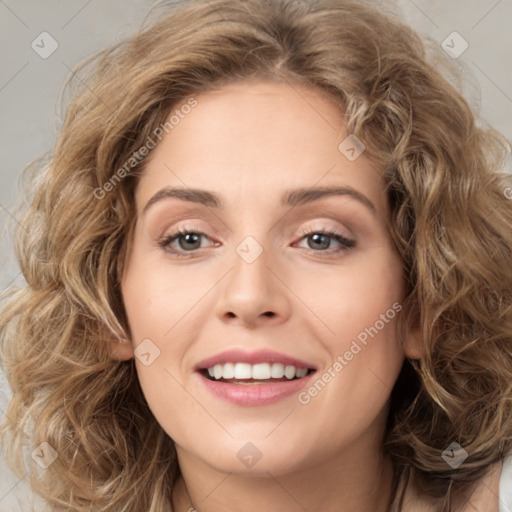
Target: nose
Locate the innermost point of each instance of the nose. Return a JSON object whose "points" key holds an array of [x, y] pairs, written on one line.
{"points": [[254, 292]]}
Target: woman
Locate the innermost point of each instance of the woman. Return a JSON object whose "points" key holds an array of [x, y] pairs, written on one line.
{"points": [[339, 335]]}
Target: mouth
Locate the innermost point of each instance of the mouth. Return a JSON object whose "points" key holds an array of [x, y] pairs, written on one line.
{"points": [[254, 374], [252, 385], [256, 378]]}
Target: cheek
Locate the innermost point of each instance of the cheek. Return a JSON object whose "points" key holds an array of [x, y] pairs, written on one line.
{"points": [[155, 301], [353, 297], [156, 296], [358, 309]]}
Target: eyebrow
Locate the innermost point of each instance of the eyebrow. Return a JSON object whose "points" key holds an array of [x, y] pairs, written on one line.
{"points": [[296, 197]]}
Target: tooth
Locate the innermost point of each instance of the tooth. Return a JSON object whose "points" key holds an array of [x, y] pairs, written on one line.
{"points": [[243, 371], [301, 372], [218, 371], [277, 371], [229, 371], [289, 372], [261, 371]]}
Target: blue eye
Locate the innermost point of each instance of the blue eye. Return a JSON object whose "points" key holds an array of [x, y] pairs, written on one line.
{"points": [[322, 239], [189, 241]]}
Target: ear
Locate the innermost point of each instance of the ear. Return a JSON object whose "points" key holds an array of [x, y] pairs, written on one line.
{"points": [[413, 347], [121, 350], [121, 261]]}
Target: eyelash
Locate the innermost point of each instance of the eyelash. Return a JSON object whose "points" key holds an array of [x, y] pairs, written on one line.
{"points": [[345, 243]]}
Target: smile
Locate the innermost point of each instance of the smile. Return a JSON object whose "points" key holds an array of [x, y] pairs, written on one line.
{"points": [[255, 373]]}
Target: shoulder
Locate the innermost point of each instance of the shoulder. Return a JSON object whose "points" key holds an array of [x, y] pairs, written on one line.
{"points": [[485, 497], [505, 486], [492, 493]]}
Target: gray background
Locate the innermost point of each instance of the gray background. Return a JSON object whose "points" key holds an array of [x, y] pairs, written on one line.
{"points": [[30, 87]]}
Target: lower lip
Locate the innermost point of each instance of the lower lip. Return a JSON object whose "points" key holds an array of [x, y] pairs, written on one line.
{"points": [[251, 395]]}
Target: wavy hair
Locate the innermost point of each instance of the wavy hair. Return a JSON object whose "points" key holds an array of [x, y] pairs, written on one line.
{"points": [[451, 221]]}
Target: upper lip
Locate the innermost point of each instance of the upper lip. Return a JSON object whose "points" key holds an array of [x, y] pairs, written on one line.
{"points": [[255, 357]]}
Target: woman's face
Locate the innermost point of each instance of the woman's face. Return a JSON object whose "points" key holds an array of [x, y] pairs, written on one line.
{"points": [[256, 275]]}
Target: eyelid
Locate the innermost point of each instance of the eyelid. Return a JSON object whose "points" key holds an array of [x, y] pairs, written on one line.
{"points": [[295, 226], [347, 242], [338, 235]]}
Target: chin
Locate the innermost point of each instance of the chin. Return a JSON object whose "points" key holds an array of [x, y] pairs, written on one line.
{"points": [[257, 457]]}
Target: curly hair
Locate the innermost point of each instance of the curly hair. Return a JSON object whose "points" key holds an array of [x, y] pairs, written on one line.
{"points": [[451, 221]]}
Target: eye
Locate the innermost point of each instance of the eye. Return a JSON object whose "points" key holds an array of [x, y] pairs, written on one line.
{"points": [[187, 241], [183, 241], [320, 240]]}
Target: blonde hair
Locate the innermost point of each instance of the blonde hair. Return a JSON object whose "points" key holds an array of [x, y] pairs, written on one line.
{"points": [[450, 220]]}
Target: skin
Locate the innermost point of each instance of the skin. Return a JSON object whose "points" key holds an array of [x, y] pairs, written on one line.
{"points": [[248, 143]]}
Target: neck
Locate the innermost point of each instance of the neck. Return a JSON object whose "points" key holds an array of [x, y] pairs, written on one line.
{"points": [[348, 481]]}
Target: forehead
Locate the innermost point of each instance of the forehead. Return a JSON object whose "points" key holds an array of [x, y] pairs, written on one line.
{"points": [[258, 137]]}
